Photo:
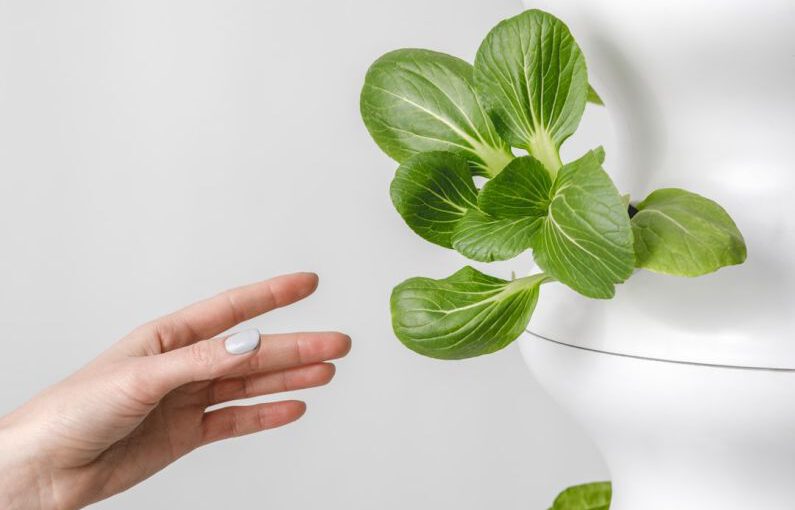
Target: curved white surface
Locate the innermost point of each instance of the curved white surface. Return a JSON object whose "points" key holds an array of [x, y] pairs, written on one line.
{"points": [[675, 435], [699, 96]]}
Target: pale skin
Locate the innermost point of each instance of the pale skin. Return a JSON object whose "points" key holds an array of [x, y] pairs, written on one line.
{"points": [[143, 403]]}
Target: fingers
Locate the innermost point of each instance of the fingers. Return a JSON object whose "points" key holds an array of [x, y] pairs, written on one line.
{"points": [[241, 420], [205, 360], [281, 351], [215, 315], [238, 355], [237, 388]]}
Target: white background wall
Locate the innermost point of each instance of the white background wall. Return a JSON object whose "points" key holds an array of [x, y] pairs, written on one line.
{"points": [[155, 152]]}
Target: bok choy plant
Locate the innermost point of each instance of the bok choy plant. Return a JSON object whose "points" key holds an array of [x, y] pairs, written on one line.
{"points": [[446, 121]]}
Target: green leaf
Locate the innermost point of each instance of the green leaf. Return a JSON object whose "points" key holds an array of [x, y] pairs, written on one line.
{"points": [[511, 207], [467, 314], [531, 78], [436, 196], [432, 191], [484, 238], [417, 100], [585, 241], [681, 233], [600, 154], [593, 97], [589, 496], [521, 190], [578, 226]]}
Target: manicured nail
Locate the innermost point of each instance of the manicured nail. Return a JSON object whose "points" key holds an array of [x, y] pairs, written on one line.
{"points": [[243, 342]]}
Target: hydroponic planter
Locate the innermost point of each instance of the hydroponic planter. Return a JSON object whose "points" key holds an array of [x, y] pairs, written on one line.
{"points": [[698, 95], [678, 435]]}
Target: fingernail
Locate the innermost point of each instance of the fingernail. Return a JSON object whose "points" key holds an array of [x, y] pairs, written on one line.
{"points": [[243, 342]]}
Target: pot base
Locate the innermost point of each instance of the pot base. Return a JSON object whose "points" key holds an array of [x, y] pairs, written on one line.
{"points": [[678, 435]]}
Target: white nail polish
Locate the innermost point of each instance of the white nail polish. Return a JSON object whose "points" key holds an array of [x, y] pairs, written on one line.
{"points": [[243, 342]]}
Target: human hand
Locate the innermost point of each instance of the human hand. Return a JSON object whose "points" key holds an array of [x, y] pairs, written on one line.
{"points": [[141, 405]]}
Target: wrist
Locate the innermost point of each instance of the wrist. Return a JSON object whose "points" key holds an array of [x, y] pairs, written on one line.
{"points": [[25, 482]]}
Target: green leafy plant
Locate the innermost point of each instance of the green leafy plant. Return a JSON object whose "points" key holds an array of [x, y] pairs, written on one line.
{"points": [[446, 122], [589, 496]]}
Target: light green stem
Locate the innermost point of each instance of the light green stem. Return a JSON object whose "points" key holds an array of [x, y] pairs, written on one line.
{"points": [[494, 158], [544, 150], [532, 280]]}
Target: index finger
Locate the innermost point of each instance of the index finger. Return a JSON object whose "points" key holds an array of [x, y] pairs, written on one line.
{"points": [[215, 315]]}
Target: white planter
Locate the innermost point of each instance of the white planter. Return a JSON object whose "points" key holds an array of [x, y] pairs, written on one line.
{"points": [[678, 436], [700, 95]]}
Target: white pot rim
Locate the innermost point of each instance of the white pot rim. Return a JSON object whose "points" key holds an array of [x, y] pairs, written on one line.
{"points": [[703, 364]]}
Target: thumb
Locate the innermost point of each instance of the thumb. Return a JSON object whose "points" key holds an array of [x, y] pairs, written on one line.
{"points": [[201, 361]]}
